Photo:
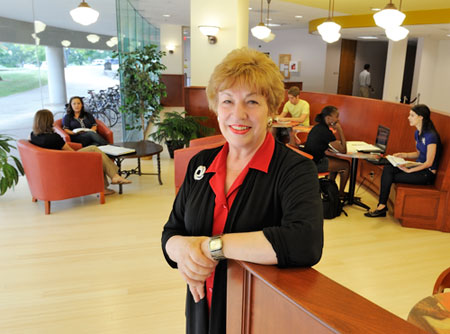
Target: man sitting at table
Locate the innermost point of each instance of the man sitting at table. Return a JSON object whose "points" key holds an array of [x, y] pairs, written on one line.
{"points": [[297, 108]]}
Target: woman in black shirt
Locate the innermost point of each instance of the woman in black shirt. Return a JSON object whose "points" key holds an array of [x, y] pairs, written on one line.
{"points": [[252, 199], [78, 118], [321, 138]]}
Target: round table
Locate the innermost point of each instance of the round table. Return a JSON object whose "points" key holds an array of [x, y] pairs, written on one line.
{"points": [[144, 148]]}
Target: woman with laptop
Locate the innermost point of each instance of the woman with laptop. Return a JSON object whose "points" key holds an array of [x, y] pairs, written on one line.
{"points": [[320, 138], [428, 145]]}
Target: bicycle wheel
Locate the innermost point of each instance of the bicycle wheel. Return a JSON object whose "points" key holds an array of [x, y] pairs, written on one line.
{"points": [[113, 116], [109, 117]]}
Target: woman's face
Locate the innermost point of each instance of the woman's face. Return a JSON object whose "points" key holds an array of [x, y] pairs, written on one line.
{"points": [[332, 119], [242, 116], [76, 105], [414, 119]]}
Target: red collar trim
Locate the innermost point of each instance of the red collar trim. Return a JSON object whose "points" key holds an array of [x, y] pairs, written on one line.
{"points": [[260, 161]]}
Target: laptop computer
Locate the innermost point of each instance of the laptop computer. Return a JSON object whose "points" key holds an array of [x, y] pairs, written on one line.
{"points": [[380, 141]]}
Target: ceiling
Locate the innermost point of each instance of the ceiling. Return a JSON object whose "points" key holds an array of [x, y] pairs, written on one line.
{"points": [[282, 12]]}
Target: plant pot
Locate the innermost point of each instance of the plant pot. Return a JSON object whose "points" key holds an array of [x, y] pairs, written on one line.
{"points": [[173, 145]]}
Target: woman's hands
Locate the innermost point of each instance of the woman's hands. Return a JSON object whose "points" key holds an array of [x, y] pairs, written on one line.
{"points": [[401, 155], [194, 264]]}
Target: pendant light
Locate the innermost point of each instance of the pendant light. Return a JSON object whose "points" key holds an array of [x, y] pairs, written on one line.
{"points": [[84, 14], [396, 33], [329, 30], [389, 17], [260, 31]]}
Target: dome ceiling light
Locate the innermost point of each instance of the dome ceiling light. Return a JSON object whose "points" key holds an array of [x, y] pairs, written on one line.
{"points": [[260, 31], [84, 14], [329, 30], [389, 17]]}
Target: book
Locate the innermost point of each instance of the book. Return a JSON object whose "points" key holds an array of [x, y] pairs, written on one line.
{"points": [[116, 150], [397, 161], [78, 130]]}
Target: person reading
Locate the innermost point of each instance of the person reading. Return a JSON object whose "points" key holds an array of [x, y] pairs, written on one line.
{"points": [[252, 199], [44, 136], [296, 108], [81, 125], [427, 154]]}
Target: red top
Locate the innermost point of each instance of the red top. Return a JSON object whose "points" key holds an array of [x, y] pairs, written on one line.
{"points": [[260, 161]]}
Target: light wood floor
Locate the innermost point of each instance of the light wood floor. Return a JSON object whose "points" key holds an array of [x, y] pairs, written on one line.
{"points": [[91, 268]]}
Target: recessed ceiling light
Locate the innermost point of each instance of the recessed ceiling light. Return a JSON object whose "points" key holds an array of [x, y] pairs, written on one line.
{"points": [[375, 9], [368, 37], [273, 24], [298, 16], [250, 8], [448, 35], [270, 19], [166, 15]]}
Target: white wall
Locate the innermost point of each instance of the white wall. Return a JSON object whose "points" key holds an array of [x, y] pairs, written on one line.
{"points": [[310, 50], [395, 67], [424, 70], [171, 34], [231, 16], [440, 95], [333, 60]]}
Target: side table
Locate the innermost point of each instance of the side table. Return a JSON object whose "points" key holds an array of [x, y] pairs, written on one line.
{"points": [[144, 148]]}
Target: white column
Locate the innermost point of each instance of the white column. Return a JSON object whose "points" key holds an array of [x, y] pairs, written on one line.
{"points": [[232, 18], [56, 78], [395, 66], [425, 69]]}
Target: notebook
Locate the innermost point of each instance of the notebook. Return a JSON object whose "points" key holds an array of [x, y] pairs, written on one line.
{"points": [[380, 142], [116, 150]]}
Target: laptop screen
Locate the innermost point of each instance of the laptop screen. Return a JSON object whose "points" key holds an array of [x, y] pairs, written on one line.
{"points": [[382, 137]]}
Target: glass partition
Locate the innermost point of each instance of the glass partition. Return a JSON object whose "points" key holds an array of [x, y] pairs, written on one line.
{"points": [[46, 57], [134, 32]]}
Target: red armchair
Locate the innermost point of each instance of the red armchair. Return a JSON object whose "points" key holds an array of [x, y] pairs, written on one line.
{"points": [[102, 130], [54, 175]]}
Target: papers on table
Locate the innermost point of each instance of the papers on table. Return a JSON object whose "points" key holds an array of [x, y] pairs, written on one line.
{"points": [[361, 146], [116, 150]]}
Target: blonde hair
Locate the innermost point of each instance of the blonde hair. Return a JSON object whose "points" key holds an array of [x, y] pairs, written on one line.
{"points": [[247, 68], [43, 122]]}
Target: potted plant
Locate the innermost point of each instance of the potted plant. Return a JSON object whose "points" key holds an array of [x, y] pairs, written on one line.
{"points": [[141, 87], [9, 174], [177, 129]]}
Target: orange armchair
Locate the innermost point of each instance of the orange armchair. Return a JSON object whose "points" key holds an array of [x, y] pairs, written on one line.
{"points": [[102, 130], [442, 282], [54, 175]]}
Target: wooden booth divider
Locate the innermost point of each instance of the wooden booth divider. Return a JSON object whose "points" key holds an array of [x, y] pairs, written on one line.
{"points": [[265, 299]]}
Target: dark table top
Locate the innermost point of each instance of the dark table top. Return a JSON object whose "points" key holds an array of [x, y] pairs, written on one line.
{"points": [[144, 148]]}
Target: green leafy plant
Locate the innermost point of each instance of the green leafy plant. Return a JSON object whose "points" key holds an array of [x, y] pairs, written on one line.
{"points": [[177, 129], [9, 174], [141, 87]]}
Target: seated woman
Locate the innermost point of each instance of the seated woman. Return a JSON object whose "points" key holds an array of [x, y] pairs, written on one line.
{"points": [[78, 118], [44, 136], [320, 138], [252, 199], [428, 145]]}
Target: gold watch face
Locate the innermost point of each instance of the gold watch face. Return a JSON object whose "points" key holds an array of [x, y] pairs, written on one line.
{"points": [[215, 244]]}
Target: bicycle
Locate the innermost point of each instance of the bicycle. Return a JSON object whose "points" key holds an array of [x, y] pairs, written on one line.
{"points": [[104, 105]]}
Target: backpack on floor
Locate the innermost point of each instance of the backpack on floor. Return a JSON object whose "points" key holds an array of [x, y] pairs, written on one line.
{"points": [[329, 192]]}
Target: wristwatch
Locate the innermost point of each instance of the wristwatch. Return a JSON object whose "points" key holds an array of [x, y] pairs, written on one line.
{"points": [[216, 248]]}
